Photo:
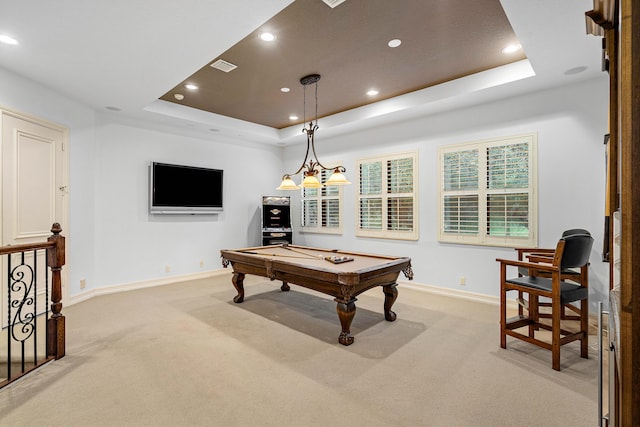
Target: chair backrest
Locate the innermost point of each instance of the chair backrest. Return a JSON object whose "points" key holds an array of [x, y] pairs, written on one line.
{"points": [[575, 231], [577, 248]]}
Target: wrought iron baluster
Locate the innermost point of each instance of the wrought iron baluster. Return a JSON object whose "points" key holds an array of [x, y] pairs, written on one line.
{"points": [[35, 307], [22, 320], [22, 346], [9, 316]]}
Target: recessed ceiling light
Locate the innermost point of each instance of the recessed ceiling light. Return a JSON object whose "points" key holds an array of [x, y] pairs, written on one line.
{"points": [[293, 117], [394, 43], [284, 89], [372, 92], [511, 48], [178, 96], [267, 37], [191, 86], [8, 40]]}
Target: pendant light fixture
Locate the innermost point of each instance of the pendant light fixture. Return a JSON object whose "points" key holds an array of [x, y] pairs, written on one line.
{"points": [[313, 167]]}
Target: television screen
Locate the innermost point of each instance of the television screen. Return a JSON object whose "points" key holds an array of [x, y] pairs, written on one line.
{"points": [[177, 189]]}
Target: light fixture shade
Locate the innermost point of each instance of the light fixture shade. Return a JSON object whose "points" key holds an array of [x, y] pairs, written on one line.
{"points": [[287, 184], [311, 181], [337, 178]]}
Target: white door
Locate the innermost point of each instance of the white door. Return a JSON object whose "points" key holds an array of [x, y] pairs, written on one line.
{"points": [[33, 196]]}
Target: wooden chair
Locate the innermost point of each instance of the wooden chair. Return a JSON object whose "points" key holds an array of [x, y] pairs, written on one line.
{"points": [[580, 276], [571, 252]]}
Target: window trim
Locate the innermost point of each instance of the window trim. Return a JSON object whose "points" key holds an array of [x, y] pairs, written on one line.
{"points": [[414, 234], [482, 238], [319, 198]]}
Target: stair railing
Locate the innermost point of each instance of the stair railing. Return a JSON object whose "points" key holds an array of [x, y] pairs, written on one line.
{"points": [[34, 332]]}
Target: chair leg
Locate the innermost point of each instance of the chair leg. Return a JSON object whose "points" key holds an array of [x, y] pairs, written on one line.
{"points": [[520, 307], [503, 309], [584, 327], [555, 333], [503, 320], [534, 314]]}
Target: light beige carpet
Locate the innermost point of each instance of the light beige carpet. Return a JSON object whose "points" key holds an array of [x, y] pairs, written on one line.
{"points": [[185, 354]]}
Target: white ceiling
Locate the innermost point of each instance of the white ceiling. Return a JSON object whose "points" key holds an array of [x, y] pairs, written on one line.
{"points": [[126, 54]]}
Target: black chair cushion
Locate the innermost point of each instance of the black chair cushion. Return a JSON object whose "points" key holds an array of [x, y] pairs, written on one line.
{"points": [[569, 292]]}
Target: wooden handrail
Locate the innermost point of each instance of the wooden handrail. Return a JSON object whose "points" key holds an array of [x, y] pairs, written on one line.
{"points": [[24, 247]]}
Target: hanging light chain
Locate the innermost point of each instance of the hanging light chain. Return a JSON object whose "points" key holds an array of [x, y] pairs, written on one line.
{"points": [[316, 125], [304, 106], [314, 166]]}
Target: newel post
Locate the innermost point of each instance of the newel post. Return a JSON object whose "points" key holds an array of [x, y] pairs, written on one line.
{"points": [[55, 324]]}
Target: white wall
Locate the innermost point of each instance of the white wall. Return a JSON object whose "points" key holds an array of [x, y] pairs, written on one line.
{"points": [[133, 245], [570, 122]]}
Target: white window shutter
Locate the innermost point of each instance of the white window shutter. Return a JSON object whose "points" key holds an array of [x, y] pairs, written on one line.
{"points": [[387, 197], [487, 192]]}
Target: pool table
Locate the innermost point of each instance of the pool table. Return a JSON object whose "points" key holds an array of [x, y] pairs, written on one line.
{"points": [[343, 275]]}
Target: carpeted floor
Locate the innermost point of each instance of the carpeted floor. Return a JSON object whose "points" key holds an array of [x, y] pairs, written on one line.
{"points": [[185, 354]]}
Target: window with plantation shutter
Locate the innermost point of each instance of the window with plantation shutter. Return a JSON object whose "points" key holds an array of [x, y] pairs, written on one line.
{"points": [[387, 205], [322, 207], [487, 192]]}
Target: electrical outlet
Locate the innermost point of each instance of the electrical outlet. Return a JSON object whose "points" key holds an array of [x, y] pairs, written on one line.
{"points": [[201, 264], [463, 280], [167, 269], [83, 283]]}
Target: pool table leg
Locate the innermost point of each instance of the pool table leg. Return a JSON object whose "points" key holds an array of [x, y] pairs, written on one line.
{"points": [[238, 283], [390, 295], [285, 287], [346, 311]]}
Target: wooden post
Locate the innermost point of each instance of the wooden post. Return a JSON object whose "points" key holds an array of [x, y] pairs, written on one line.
{"points": [[630, 210], [612, 200], [56, 323]]}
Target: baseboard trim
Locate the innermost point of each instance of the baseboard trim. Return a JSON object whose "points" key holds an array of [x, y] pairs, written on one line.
{"points": [[83, 296], [439, 290], [456, 293]]}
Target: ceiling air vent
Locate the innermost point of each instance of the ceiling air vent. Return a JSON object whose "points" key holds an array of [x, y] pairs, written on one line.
{"points": [[224, 66], [333, 3]]}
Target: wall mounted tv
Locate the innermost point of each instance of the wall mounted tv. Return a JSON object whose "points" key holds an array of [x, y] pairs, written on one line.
{"points": [[177, 189]]}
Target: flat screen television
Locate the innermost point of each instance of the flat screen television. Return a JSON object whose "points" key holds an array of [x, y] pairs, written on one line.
{"points": [[177, 189]]}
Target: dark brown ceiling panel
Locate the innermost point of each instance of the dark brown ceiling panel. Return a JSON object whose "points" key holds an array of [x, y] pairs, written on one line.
{"points": [[347, 46]]}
